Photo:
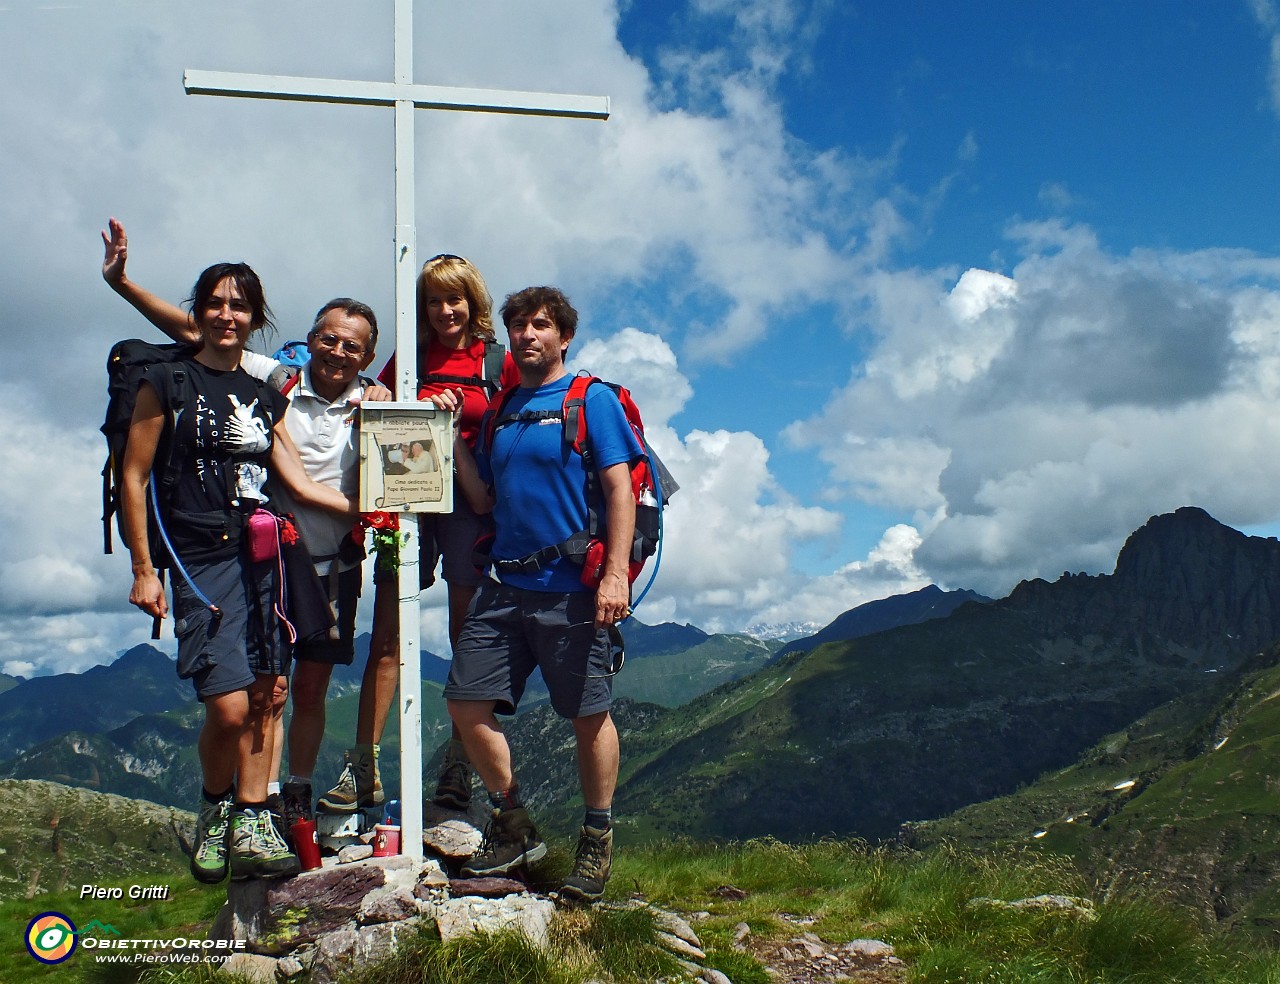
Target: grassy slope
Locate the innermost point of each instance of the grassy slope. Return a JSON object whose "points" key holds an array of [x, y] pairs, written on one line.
{"points": [[1201, 819]]}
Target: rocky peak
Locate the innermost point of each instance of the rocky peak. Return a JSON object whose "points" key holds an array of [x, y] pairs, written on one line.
{"points": [[1182, 576]]}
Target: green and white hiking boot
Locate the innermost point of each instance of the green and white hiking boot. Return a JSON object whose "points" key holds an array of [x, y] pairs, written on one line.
{"points": [[209, 854], [453, 788], [358, 786], [592, 863], [257, 849], [510, 841]]}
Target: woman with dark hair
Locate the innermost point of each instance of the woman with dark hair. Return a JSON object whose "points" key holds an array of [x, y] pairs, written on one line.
{"points": [[212, 436]]}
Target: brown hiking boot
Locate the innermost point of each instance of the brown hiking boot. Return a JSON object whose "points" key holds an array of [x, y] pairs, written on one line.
{"points": [[358, 786], [592, 863], [510, 841], [453, 789]]}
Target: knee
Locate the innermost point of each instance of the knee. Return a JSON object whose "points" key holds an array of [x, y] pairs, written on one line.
{"points": [[226, 717], [468, 714], [267, 696], [593, 726]]}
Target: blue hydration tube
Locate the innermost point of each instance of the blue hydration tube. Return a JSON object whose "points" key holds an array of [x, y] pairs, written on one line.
{"points": [[214, 610]]}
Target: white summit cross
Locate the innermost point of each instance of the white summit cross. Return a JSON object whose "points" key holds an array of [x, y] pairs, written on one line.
{"points": [[404, 96]]}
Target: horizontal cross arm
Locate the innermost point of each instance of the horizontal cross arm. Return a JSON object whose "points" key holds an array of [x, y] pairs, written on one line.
{"points": [[198, 82]]}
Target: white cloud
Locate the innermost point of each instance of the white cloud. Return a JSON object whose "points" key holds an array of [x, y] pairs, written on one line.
{"points": [[1033, 421], [1264, 11], [889, 569], [731, 531]]}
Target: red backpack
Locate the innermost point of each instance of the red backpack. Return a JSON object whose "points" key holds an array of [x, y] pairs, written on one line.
{"points": [[651, 484]]}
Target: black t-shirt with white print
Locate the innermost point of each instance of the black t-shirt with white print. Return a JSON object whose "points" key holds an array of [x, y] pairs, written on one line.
{"points": [[223, 446]]}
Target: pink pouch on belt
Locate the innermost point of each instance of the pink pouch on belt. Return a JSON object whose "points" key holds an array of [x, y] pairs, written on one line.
{"points": [[263, 536]]}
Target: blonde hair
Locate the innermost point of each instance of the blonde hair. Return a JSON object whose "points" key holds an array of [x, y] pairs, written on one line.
{"points": [[449, 272]]}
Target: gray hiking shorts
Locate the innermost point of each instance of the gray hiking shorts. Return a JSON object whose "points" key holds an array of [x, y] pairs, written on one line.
{"points": [[510, 632], [219, 656], [344, 593]]}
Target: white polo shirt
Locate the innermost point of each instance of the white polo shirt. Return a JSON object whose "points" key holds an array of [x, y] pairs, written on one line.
{"points": [[328, 442]]}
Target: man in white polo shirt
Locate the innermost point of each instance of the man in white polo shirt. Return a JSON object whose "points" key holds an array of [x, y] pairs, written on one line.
{"points": [[324, 399]]}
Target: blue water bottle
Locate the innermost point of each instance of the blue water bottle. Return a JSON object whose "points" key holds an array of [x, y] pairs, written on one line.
{"points": [[392, 816]]}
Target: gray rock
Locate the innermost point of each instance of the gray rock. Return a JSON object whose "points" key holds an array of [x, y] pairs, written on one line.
{"points": [[452, 838], [388, 904], [488, 888], [433, 877], [291, 966], [527, 913], [673, 924], [875, 949], [712, 976], [1069, 905], [251, 967], [354, 852], [812, 949], [301, 910], [240, 918], [338, 952], [681, 948]]}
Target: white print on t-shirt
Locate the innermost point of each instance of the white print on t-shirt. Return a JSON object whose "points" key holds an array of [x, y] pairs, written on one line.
{"points": [[250, 477], [246, 433]]}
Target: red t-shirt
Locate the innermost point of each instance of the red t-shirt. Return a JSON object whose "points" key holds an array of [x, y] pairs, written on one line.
{"points": [[467, 361]]}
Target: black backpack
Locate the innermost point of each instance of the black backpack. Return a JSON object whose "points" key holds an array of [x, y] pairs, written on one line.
{"points": [[126, 363]]}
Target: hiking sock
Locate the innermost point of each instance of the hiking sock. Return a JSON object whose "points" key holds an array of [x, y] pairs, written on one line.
{"points": [[272, 787], [215, 798], [598, 819], [506, 799]]}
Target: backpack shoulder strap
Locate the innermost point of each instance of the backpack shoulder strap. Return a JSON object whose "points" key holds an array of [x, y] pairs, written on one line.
{"points": [[168, 462], [494, 354], [574, 411], [489, 423]]}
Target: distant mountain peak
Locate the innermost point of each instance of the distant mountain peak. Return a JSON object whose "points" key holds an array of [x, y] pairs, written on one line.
{"points": [[1172, 539], [1182, 576]]}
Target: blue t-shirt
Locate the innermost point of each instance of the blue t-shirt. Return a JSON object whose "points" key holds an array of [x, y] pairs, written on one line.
{"points": [[540, 484]]}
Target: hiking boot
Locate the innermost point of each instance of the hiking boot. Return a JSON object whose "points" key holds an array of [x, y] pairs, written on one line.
{"points": [[209, 854], [257, 849], [591, 865], [296, 804], [358, 786], [275, 806], [453, 789], [510, 841]]}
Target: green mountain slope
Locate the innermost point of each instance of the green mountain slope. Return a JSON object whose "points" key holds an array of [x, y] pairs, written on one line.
{"points": [[1186, 800], [141, 681], [914, 723], [53, 837]]}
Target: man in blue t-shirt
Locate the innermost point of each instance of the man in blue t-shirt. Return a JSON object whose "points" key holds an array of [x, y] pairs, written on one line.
{"points": [[545, 617]]}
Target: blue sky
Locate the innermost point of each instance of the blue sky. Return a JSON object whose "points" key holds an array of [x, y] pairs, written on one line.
{"points": [[935, 292]]}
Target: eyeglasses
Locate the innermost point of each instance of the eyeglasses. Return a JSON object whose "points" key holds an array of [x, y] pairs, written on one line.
{"points": [[343, 344], [448, 256]]}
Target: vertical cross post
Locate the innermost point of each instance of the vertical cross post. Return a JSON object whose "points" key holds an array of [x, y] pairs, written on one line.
{"points": [[404, 96], [407, 389]]}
